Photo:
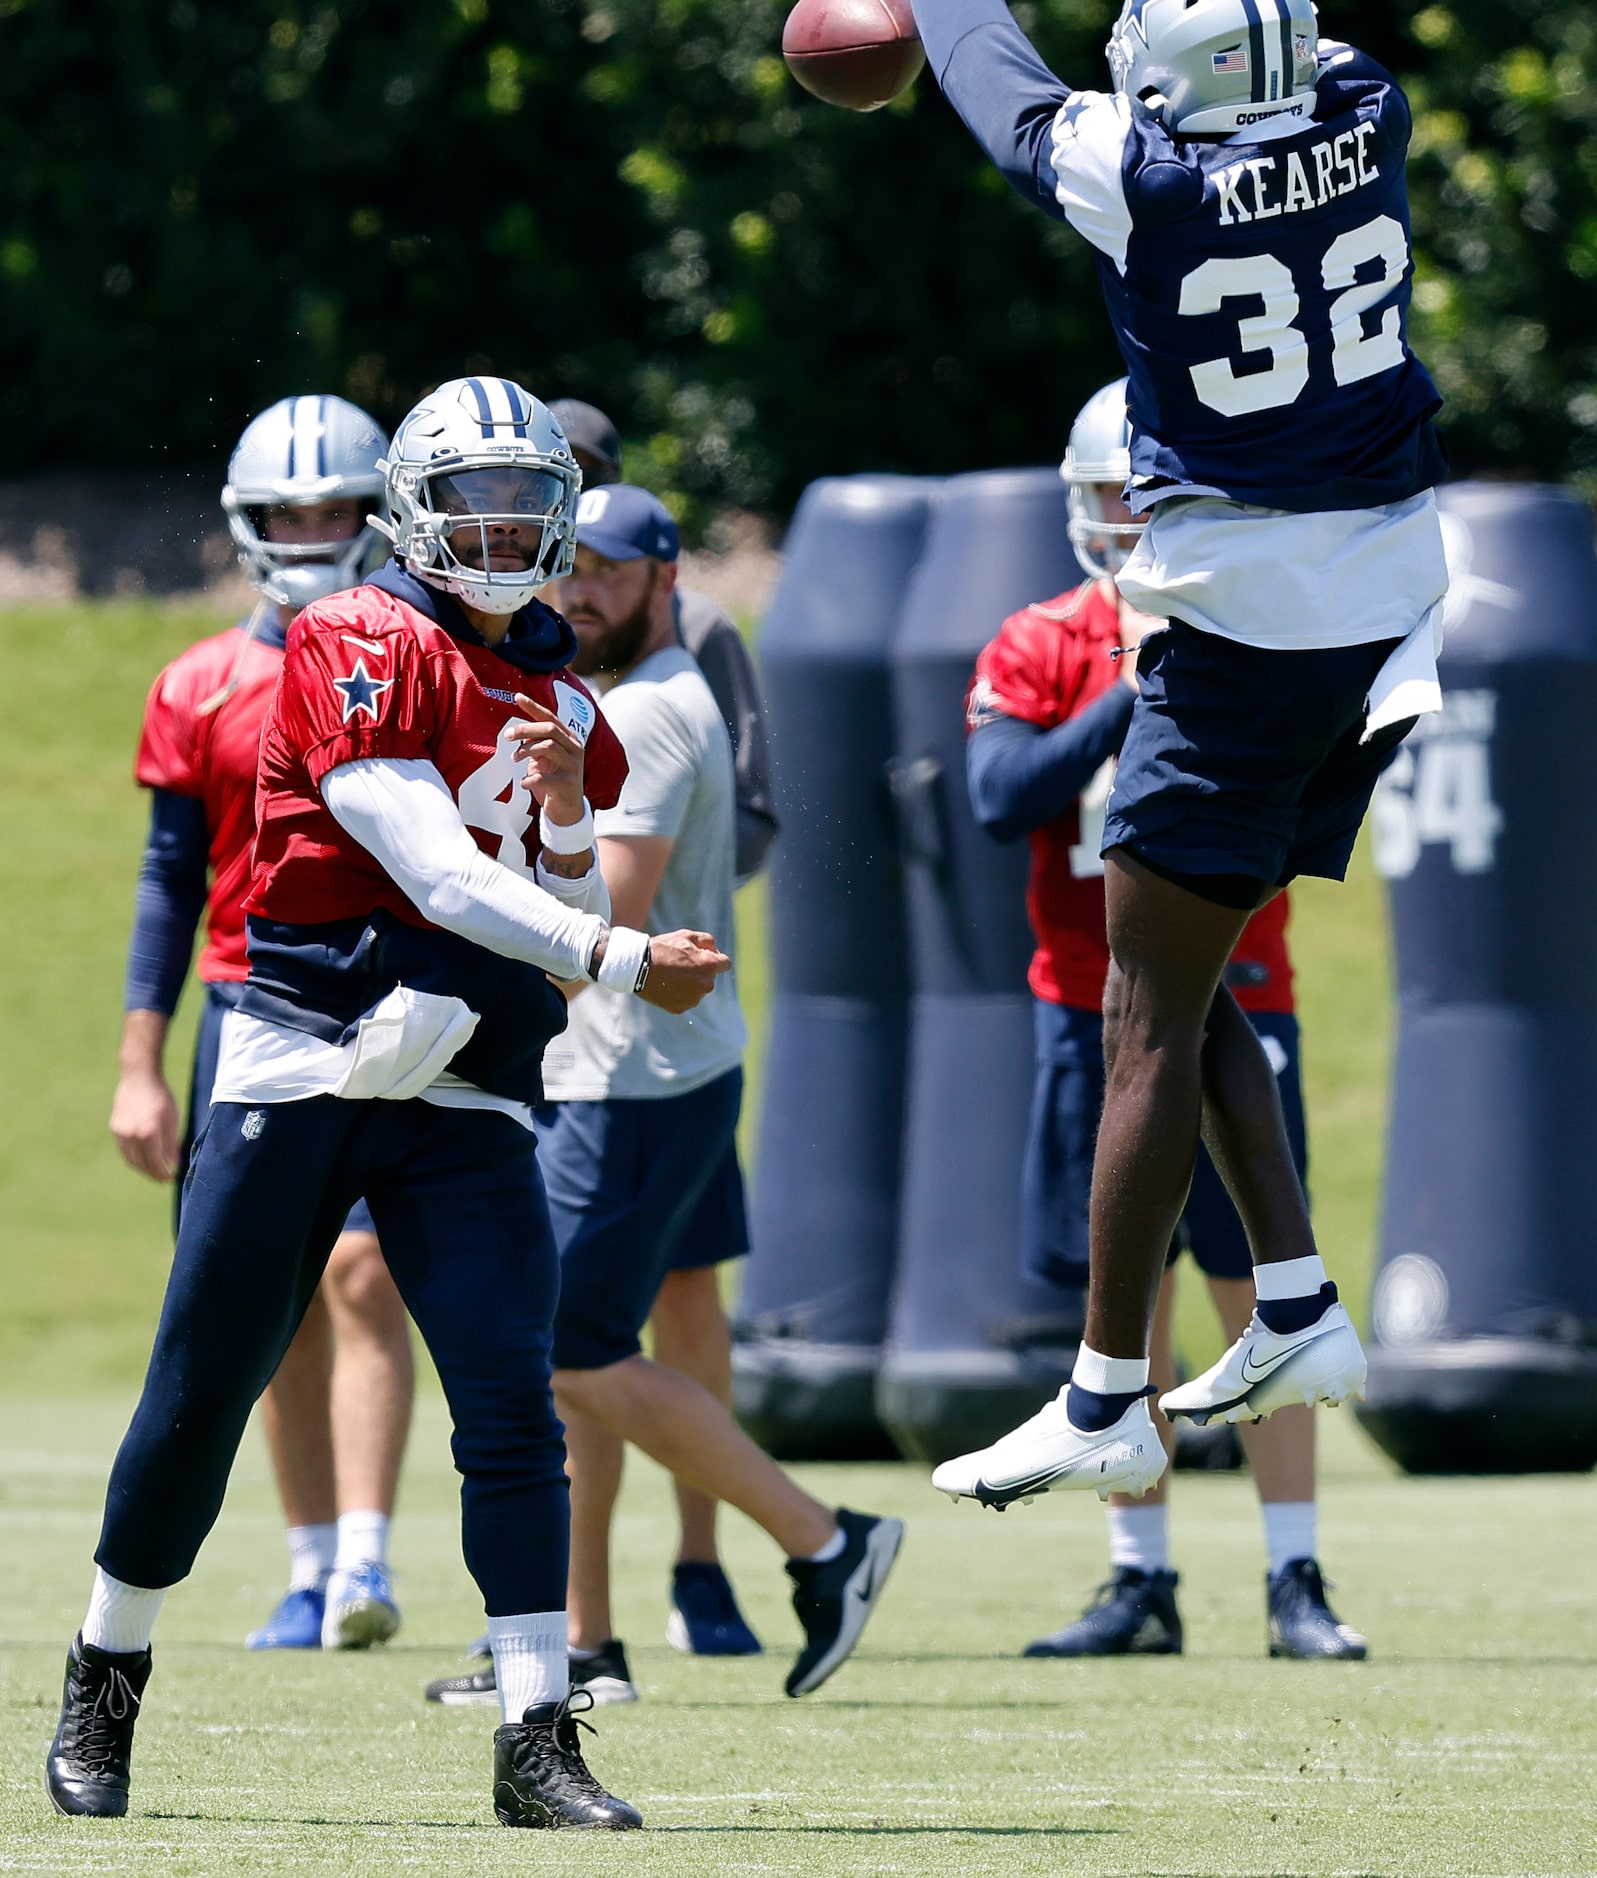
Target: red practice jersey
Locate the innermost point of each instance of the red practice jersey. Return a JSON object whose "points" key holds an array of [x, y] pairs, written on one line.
{"points": [[367, 675], [1048, 663], [213, 758]]}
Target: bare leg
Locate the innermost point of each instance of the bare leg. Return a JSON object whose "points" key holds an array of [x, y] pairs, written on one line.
{"points": [[373, 1375], [1280, 1451], [692, 1336], [593, 1460], [1162, 1374], [294, 1412], [1245, 1133], [1168, 950], [688, 1432]]}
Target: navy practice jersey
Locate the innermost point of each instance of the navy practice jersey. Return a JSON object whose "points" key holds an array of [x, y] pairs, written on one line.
{"points": [[1259, 289]]}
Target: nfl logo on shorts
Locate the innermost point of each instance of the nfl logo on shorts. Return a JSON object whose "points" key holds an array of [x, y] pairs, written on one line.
{"points": [[253, 1125]]}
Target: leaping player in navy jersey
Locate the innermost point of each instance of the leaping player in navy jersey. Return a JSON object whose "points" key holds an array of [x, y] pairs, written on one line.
{"points": [[1243, 185]]}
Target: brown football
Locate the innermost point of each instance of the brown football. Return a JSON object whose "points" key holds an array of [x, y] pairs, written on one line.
{"points": [[857, 53]]}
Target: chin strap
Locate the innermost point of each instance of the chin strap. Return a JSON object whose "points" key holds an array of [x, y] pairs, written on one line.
{"points": [[251, 627]]}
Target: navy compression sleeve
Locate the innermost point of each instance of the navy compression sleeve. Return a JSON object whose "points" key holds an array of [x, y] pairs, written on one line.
{"points": [[992, 75], [1020, 777], [168, 903]]}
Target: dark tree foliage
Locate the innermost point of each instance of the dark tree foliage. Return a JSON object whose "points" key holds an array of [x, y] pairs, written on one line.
{"points": [[203, 207]]}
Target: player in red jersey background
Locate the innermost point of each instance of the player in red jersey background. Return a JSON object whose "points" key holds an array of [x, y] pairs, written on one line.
{"points": [[1048, 708], [337, 1413]]}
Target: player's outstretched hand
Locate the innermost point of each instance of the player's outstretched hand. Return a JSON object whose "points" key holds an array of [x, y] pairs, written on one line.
{"points": [[553, 752], [145, 1122], [683, 968]]}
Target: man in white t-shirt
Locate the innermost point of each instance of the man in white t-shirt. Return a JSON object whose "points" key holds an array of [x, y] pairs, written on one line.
{"points": [[638, 1146]]}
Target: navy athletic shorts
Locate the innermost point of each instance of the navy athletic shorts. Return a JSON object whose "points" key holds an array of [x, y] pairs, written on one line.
{"points": [[219, 1000], [1067, 1100], [1243, 761], [637, 1188]]}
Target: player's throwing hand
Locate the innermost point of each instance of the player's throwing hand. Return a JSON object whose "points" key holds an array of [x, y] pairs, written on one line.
{"points": [[554, 753], [683, 968]]}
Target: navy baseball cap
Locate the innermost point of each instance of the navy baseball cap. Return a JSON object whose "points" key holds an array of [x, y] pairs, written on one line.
{"points": [[623, 523]]}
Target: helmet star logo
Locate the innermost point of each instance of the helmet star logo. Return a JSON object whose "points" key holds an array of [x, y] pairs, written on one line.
{"points": [[362, 692]]}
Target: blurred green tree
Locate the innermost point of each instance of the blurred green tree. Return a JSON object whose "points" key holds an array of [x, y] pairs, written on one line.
{"points": [[202, 208]]}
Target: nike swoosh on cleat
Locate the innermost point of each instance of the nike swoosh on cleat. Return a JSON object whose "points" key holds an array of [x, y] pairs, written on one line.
{"points": [[1252, 1373]]}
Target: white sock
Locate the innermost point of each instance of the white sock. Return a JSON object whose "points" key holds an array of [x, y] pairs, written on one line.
{"points": [[362, 1540], [1290, 1531], [830, 1550], [1139, 1538], [530, 1661], [121, 1617], [311, 1550], [1109, 1375], [1291, 1278]]}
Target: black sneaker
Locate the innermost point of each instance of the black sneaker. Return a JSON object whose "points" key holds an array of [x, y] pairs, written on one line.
{"points": [[541, 1779], [1133, 1614], [477, 1688], [1302, 1624], [605, 1675], [834, 1601], [87, 1771]]}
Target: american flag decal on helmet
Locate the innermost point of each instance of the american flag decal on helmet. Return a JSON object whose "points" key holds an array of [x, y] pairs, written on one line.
{"points": [[1236, 60]]}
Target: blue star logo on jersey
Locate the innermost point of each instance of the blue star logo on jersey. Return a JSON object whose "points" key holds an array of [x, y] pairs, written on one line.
{"points": [[362, 692]]}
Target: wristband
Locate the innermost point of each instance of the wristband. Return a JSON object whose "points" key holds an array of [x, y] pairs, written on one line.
{"points": [[626, 960], [567, 838]]}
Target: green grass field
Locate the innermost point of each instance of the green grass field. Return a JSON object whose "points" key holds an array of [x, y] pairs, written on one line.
{"points": [[1466, 1746]]}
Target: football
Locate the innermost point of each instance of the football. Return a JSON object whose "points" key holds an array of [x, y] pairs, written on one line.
{"points": [[860, 54]]}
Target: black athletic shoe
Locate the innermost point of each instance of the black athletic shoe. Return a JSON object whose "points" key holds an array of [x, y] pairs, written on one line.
{"points": [[1133, 1614], [605, 1675], [541, 1779], [477, 1688], [1302, 1624], [834, 1601], [87, 1772]]}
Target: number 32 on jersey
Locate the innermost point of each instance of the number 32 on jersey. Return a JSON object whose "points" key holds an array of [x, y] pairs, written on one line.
{"points": [[1355, 353]]}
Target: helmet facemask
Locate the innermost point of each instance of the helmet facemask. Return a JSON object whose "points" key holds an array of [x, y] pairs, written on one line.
{"points": [[462, 519], [292, 574], [1099, 457]]}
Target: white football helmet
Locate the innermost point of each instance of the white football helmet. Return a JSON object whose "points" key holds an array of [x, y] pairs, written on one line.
{"points": [[304, 450], [478, 465], [1204, 67], [1100, 452]]}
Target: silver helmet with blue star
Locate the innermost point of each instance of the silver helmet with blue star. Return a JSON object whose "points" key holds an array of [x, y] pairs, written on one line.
{"points": [[1206, 67], [301, 453], [481, 491]]}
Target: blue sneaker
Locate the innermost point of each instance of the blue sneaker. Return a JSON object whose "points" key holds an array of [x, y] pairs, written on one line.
{"points": [[360, 1608], [705, 1619], [296, 1624]]}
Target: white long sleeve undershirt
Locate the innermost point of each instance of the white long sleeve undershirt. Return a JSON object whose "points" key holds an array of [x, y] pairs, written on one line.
{"points": [[400, 810]]}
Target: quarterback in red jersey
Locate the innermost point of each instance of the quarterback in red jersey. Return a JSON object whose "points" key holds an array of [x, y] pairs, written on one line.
{"points": [[337, 1412], [1048, 708], [405, 923]]}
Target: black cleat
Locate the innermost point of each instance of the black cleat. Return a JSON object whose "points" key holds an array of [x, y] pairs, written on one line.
{"points": [[1302, 1624], [605, 1675], [834, 1601], [87, 1771], [477, 1688], [541, 1779], [1133, 1614]]}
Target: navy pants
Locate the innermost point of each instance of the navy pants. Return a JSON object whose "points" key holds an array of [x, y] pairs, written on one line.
{"points": [[460, 1210]]}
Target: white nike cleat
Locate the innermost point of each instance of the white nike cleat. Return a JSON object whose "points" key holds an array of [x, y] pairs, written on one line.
{"points": [[1050, 1451], [1263, 1371]]}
